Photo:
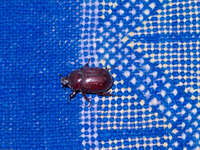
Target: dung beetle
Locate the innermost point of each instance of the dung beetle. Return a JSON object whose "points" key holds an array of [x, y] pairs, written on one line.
{"points": [[88, 80]]}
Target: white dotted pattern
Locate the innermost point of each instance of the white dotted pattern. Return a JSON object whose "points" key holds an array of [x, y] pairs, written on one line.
{"points": [[88, 46], [173, 111]]}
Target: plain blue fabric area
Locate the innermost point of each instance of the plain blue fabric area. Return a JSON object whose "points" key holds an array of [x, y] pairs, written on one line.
{"points": [[38, 40]]}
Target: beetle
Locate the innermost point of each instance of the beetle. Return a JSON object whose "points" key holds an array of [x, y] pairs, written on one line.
{"points": [[88, 80]]}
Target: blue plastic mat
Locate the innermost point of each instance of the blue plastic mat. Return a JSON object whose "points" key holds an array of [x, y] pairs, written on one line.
{"points": [[152, 47]]}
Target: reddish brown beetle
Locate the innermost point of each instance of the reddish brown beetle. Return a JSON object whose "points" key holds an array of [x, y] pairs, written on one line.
{"points": [[88, 80]]}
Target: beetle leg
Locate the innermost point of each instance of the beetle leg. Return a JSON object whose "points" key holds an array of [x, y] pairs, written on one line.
{"points": [[105, 94], [72, 95], [86, 98], [60, 75], [108, 69]]}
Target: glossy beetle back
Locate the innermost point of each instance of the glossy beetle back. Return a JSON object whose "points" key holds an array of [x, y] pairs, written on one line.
{"points": [[96, 80]]}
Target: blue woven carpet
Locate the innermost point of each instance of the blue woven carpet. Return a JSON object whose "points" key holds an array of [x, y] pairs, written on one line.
{"points": [[153, 49]]}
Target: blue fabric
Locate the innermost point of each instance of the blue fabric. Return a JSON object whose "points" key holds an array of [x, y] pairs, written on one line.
{"points": [[152, 48], [38, 42]]}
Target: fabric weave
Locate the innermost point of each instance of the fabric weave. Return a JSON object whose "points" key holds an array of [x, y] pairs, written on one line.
{"points": [[152, 48]]}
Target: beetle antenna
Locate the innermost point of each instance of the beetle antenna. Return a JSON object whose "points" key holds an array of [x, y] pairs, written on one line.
{"points": [[60, 75]]}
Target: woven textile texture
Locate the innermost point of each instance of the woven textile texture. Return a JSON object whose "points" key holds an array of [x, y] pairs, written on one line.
{"points": [[152, 48]]}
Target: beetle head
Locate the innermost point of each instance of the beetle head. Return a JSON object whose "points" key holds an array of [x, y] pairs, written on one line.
{"points": [[65, 82]]}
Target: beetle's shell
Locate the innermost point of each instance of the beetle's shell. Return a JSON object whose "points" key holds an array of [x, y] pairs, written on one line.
{"points": [[75, 79], [96, 80], [90, 80]]}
